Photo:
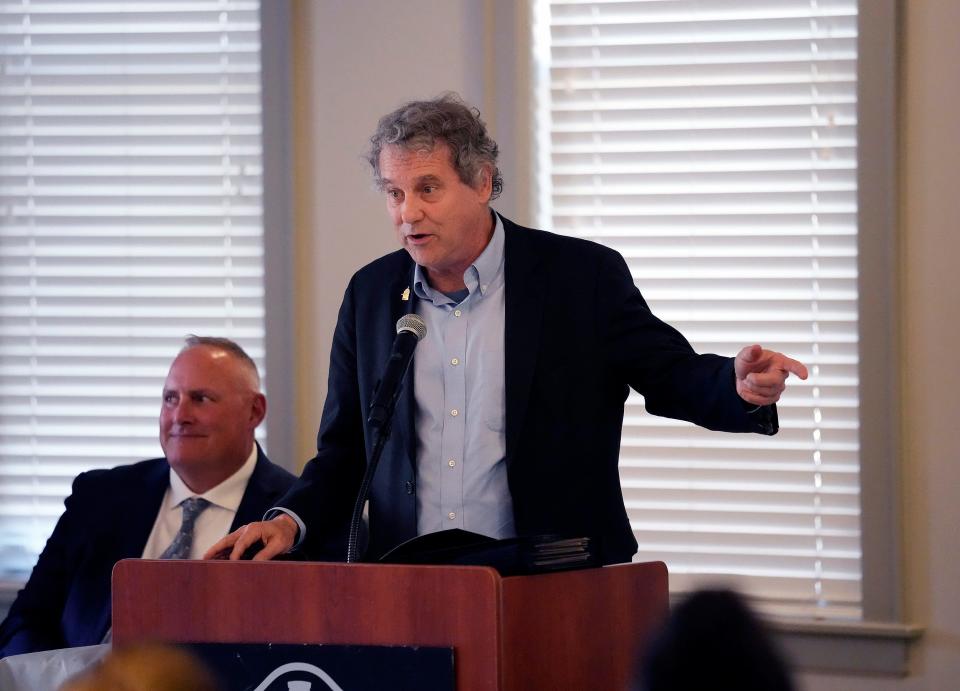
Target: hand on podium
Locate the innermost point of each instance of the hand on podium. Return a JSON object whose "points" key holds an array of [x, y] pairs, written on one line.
{"points": [[277, 536]]}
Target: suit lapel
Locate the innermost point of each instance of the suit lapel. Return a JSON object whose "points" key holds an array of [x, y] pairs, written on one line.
{"points": [[142, 508], [522, 320], [259, 493]]}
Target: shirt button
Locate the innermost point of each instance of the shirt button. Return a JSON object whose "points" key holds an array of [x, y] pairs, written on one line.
{"points": [[451, 515], [457, 313], [454, 412], [455, 361], [451, 463]]}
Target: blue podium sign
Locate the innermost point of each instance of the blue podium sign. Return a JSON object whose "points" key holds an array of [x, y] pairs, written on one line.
{"points": [[285, 667]]}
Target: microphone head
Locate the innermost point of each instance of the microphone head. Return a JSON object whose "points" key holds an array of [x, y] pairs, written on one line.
{"points": [[414, 324]]}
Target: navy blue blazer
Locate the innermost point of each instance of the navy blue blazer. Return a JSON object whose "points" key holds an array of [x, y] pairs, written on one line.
{"points": [[109, 516], [578, 335]]}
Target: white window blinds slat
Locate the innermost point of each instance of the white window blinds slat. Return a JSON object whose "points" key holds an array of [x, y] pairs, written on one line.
{"points": [[714, 145], [130, 216]]}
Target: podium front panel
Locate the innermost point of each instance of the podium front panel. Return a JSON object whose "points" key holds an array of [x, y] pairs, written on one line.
{"points": [[300, 602], [574, 630]]}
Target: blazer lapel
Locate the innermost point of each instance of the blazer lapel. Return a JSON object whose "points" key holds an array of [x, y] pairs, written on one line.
{"points": [[141, 512], [523, 309], [260, 494], [403, 301]]}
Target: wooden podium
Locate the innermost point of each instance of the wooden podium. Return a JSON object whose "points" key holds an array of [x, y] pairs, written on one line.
{"points": [[570, 630]]}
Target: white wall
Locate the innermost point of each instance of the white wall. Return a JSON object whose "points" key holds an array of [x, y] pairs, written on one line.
{"points": [[357, 60]]}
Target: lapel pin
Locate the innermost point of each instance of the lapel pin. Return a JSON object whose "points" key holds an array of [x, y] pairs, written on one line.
{"points": [[405, 295]]}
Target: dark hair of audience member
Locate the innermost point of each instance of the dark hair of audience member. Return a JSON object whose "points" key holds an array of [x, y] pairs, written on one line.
{"points": [[713, 641]]}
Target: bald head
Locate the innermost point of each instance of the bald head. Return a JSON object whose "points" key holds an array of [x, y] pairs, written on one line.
{"points": [[210, 409], [229, 348]]}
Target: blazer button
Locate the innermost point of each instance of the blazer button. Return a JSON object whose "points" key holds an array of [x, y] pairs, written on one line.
{"points": [[410, 487]]}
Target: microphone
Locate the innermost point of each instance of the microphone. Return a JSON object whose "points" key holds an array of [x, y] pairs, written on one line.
{"points": [[410, 330]]}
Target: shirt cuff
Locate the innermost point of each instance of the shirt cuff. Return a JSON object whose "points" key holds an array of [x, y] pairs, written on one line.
{"points": [[301, 528]]}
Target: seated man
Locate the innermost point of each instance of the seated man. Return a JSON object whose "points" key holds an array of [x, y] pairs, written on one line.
{"points": [[213, 479]]}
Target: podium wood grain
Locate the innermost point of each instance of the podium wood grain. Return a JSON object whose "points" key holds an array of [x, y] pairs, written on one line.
{"points": [[573, 630]]}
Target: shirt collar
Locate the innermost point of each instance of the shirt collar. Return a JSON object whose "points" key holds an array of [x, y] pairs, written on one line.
{"points": [[227, 495], [479, 276]]}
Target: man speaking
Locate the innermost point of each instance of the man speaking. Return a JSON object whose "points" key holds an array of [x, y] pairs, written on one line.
{"points": [[511, 416]]}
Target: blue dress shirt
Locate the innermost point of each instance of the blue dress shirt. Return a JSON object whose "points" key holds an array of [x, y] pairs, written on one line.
{"points": [[458, 381]]}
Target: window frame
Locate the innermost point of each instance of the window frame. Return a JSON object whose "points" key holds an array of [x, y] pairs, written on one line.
{"points": [[278, 300], [880, 642], [276, 70]]}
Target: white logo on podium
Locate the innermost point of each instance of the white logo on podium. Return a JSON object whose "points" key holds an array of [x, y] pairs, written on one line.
{"points": [[299, 685]]}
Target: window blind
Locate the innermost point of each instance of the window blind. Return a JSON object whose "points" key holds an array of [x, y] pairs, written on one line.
{"points": [[130, 216], [714, 145]]}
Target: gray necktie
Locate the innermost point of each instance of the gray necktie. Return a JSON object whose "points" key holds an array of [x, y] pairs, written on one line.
{"points": [[180, 547]]}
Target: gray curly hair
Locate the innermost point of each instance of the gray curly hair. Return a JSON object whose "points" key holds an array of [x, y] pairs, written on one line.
{"points": [[419, 125]]}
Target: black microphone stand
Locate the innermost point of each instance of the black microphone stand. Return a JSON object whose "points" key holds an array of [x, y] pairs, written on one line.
{"points": [[383, 432]]}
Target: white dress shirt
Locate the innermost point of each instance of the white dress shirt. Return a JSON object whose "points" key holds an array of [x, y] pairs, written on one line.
{"points": [[212, 524]]}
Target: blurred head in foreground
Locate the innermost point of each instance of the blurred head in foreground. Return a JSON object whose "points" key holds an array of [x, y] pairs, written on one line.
{"points": [[152, 667], [713, 641]]}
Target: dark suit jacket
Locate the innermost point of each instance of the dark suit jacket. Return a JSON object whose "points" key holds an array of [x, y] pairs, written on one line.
{"points": [[108, 517], [578, 334]]}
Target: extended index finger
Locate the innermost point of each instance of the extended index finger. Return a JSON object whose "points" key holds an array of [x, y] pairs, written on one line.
{"points": [[794, 367]]}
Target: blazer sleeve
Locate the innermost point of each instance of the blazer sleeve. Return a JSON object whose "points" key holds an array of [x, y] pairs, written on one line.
{"points": [[324, 495], [34, 621], [658, 362]]}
